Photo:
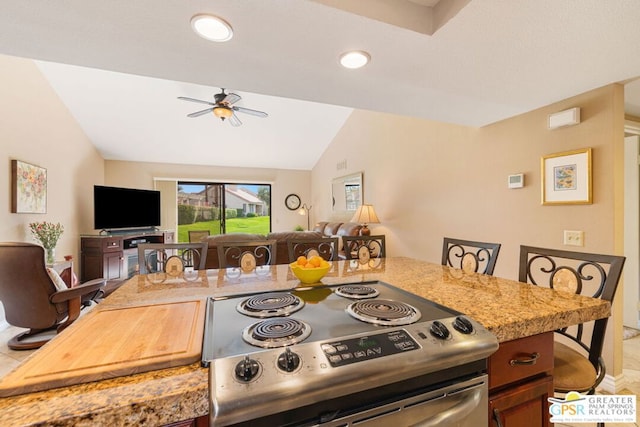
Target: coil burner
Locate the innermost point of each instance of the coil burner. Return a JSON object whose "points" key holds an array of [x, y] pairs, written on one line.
{"points": [[276, 332], [384, 312], [357, 291], [349, 357], [275, 304]]}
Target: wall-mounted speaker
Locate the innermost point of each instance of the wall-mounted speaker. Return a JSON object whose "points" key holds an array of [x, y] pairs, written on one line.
{"points": [[564, 118]]}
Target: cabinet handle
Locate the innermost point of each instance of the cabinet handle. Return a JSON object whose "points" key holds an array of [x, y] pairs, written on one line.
{"points": [[530, 361], [496, 417]]}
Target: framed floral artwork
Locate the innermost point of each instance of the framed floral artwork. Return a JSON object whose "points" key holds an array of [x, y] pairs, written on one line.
{"points": [[566, 178], [28, 188]]}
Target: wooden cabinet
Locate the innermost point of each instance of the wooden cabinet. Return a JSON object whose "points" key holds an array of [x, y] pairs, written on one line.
{"points": [[202, 421], [115, 257], [523, 405], [520, 381]]}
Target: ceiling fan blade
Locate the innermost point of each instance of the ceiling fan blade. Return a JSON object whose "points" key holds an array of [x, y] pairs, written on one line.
{"points": [[232, 98], [200, 113], [184, 98], [234, 121], [250, 111]]}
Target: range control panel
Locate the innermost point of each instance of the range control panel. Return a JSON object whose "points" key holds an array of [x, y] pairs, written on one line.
{"points": [[345, 352]]}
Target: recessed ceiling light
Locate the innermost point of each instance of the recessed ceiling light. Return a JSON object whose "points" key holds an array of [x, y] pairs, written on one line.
{"points": [[355, 59], [211, 28]]}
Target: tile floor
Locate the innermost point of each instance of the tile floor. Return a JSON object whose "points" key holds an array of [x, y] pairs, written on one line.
{"points": [[9, 359]]}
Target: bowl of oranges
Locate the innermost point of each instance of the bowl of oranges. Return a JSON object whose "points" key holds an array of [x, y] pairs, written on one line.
{"points": [[310, 270]]}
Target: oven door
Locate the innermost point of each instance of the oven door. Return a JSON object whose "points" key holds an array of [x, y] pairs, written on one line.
{"points": [[463, 404]]}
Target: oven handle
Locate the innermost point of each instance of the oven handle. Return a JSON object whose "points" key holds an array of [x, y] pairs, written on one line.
{"points": [[456, 412]]}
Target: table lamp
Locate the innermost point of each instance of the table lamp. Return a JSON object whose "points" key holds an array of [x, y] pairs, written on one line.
{"points": [[365, 215]]}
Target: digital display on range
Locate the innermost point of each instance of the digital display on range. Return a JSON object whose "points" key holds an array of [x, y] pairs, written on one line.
{"points": [[340, 353], [367, 342]]}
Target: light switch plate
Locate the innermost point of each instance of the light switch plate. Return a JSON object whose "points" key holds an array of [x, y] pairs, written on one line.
{"points": [[573, 238]]}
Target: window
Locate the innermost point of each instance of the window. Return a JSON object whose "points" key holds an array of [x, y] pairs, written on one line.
{"points": [[223, 208]]}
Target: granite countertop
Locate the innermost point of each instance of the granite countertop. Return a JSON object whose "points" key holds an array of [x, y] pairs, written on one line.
{"points": [[507, 308]]}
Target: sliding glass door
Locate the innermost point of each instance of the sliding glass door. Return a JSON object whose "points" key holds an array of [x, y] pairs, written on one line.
{"points": [[220, 208]]}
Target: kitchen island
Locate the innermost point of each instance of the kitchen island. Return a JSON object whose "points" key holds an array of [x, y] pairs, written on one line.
{"points": [[509, 309]]}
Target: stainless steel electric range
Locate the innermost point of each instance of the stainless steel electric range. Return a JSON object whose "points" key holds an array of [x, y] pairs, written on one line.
{"points": [[365, 354]]}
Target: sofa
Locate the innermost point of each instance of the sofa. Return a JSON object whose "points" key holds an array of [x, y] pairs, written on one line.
{"points": [[321, 229]]}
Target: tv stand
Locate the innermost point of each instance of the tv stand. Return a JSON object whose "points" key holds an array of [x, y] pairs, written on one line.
{"points": [[115, 256], [126, 231]]}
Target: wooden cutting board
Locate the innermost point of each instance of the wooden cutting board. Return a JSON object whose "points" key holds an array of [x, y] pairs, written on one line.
{"points": [[111, 343]]}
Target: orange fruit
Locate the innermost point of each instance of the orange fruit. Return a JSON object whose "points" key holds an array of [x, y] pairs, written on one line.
{"points": [[309, 265], [302, 260], [316, 261]]}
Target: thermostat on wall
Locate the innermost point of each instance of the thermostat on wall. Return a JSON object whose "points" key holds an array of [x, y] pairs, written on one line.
{"points": [[516, 181]]}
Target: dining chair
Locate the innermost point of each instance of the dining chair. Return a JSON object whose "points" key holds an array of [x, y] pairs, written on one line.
{"points": [[36, 297], [246, 255], [363, 248], [171, 257], [470, 256], [326, 247], [196, 236], [578, 363]]}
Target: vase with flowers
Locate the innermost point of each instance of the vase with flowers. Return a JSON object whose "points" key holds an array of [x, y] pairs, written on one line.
{"points": [[47, 233]]}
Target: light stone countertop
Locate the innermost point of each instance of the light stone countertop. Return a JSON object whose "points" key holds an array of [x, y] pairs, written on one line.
{"points": [[507, 308]]}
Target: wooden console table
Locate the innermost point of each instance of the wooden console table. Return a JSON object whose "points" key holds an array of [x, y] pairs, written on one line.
{"points": [[115, 257]]}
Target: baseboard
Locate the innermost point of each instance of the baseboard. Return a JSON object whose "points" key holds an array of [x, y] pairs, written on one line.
{"points": [[613, 385]]}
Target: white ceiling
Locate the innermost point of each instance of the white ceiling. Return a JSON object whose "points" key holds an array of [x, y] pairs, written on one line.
{"points": [[138, 118], [493, 60]]}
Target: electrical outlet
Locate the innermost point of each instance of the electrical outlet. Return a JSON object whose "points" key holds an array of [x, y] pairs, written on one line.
{"points": [[573, 238]]}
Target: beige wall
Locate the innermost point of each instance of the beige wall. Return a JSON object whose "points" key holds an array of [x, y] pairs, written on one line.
{"points": [[36, 127], [283, 181], [428, 180]]}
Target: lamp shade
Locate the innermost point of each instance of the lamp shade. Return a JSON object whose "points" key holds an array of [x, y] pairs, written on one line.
{"points": [[222, 112], [365, 215]]}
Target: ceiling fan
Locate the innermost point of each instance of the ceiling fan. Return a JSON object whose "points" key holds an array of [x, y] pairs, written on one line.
{"points": [[223, 107]]}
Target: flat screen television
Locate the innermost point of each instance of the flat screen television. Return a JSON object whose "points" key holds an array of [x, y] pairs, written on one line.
{"points": [[117, 208]]}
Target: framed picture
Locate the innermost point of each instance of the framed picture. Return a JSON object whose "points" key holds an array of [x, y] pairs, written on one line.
{"points": [[566, 178], [28, 188]]}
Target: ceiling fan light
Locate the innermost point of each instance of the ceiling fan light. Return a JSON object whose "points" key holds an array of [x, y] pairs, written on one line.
{"points": [[212, 28], [222, 112], [355, 59]]}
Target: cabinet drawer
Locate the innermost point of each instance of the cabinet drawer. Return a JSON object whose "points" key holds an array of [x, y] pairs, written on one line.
{"points": [[101, 244], [506, 365], [110, 245]]}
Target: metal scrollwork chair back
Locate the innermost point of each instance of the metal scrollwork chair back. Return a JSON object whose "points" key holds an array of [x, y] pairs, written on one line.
{"points": [[161, 257], [578, 363], [326, 247], [470, 256], [363, 248], [246, 255]]}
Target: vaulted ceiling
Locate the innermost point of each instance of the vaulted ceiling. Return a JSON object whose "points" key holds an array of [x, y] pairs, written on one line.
{"points": [[120, 66]]}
